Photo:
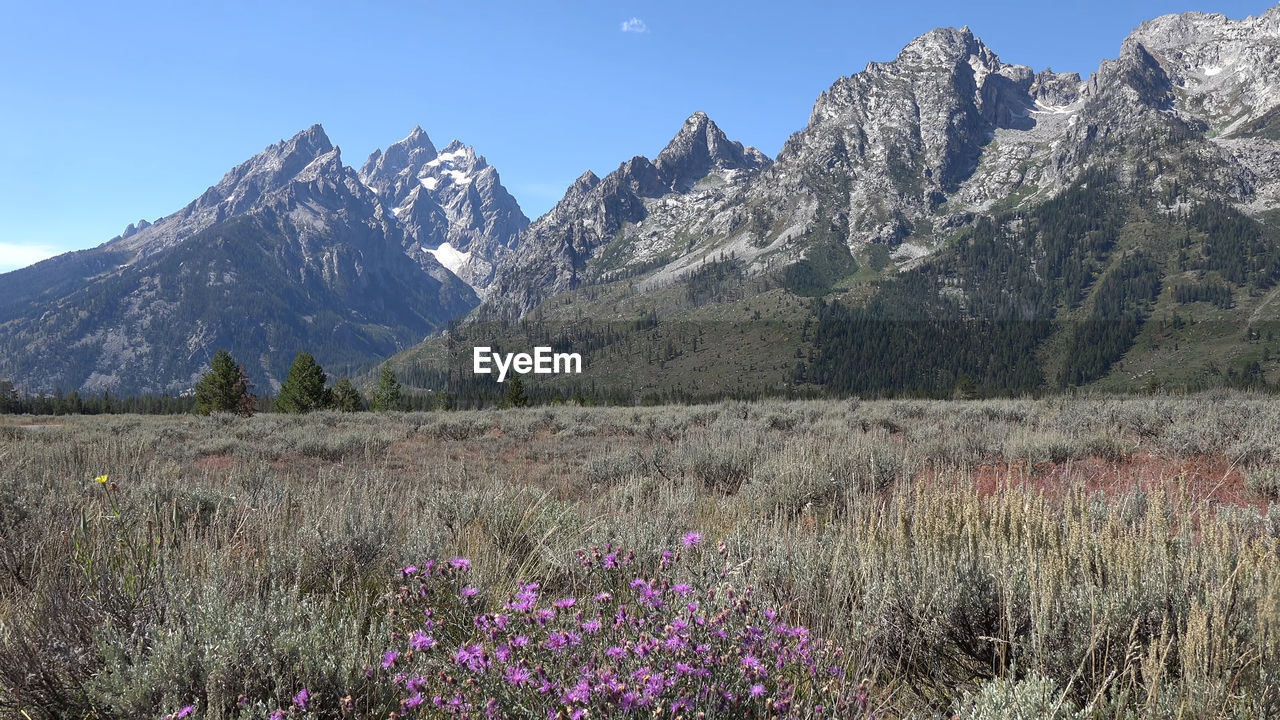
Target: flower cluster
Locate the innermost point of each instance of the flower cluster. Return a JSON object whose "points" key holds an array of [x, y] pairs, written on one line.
{"points": [[645, 644]]}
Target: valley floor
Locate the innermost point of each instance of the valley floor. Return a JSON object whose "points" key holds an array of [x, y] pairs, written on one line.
{"points": [[1067, 557]]}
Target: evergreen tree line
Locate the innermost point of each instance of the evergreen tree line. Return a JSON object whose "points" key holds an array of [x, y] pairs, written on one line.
{"points": [[224, 388], [13, 402], [978, 314], [1218, 294], [1121, 307]]}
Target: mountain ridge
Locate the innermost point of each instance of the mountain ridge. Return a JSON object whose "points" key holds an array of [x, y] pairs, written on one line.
{"points": [[903, 172]]}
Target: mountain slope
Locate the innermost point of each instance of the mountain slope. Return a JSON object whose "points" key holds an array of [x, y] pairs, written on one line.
{"points": [[700, 164], [952, 217], [289, 251]]}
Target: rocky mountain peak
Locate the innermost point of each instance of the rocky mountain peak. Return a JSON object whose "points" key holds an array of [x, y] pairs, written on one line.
{"points": [[457, 163], [269, 170], [240, 191], [699, 148], [450, 203], [585, 182], [382, 170], [135, 228], [310, 142], [940, 45]]}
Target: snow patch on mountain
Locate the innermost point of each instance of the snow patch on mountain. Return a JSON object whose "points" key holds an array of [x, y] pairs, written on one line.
{"points": [[449, 257]]}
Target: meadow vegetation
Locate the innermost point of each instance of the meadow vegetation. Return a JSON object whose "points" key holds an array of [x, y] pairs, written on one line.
{"points": [[1066, 557]]}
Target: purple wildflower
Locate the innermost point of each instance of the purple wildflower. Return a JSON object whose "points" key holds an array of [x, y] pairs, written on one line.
{"points": [[756, 690], [471, 656], [389, 658], [691, 539], [421, 641], [517, 676], [301, 699], [460, 563]]}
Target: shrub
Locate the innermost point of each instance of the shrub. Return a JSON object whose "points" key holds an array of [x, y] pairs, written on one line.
{"points": [[1032, 698], [1265, 481]]}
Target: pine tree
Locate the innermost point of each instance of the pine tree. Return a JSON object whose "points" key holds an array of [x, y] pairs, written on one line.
{"points": [[224, 388], [515, 394], [388, 395], [345, 396], [303, 390], [442, 401]]}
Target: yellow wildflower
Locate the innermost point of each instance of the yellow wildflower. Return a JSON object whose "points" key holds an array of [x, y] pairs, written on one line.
{"points": [[101, 479]]}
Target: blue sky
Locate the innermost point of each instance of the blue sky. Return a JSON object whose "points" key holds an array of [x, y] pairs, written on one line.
{"points": [[120, 111]]}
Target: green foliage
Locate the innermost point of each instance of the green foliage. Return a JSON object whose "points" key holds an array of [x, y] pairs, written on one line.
{"points": [[1235, 245], [388, 394], [719, 280], [304, 389], [224, 388], [515, 397], [1033, 698], [9, 401], [345, 396], [1264, 481], [1121, 306], [983, 308], [825, 264], [1218, 294]]}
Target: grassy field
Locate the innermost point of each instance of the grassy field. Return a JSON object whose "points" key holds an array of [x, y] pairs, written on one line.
{"points": [[1088, 557]]}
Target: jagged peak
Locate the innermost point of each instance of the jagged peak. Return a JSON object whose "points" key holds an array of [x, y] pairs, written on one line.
{"points": [[382, 167], [945, 44], [698, 119], [698, 148], [269, 170], [455, 158], [311, 142], [457, 146], [1180, 29]]}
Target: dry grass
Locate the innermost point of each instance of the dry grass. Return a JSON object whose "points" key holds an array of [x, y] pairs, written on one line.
{"points": [[1114, 553]]}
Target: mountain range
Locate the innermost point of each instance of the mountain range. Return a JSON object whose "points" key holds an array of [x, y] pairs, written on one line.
{"points": [[945, 219]]}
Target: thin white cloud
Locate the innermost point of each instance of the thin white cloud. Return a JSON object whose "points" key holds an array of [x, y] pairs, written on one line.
{"points": [[18, 255], [634, 25]]}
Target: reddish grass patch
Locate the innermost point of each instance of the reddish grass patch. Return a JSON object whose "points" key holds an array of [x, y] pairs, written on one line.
{"points": [[1204, 480], [215, 462]]}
